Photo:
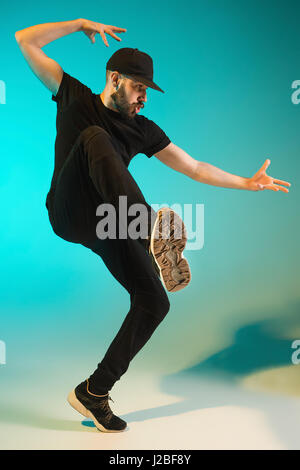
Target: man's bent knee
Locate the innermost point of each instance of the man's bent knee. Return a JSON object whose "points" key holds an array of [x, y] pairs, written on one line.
{"points": [[156, 303], [96, 142]]}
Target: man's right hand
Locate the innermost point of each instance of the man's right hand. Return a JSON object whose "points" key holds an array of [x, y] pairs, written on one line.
{"points": [[91, 28]]}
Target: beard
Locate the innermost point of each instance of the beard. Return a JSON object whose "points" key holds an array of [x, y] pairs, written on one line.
{"points": [[120, 101]]}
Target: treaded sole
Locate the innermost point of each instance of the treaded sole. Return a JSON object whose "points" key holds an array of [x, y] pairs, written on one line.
{"points": [[78, 406], [167, 250]]}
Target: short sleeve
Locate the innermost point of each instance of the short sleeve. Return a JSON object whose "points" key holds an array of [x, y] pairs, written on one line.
{"points": [[69, 90], [155, 138]]}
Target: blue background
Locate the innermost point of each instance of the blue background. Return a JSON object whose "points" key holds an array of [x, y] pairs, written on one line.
{"points": [[227, 69]]}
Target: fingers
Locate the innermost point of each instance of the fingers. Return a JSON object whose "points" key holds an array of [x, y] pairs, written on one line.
{"points": [[116, 28], [285, 190], [113, 35], [275, 187], [109, 30], [270, 186], [103, 37], [282, 182]]}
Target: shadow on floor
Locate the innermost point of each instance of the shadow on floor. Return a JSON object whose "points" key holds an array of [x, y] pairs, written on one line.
{"points": [[213, 382], [216, 381]]}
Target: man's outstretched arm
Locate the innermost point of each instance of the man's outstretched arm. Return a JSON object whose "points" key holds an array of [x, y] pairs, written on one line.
{"points": [[176, 158]]}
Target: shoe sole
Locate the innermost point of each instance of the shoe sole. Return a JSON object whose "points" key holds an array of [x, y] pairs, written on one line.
{"points": [[174, 268], [78, 406]]}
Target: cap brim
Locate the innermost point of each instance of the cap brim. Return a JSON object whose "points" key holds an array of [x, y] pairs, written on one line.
{"points": [[146, 82]]}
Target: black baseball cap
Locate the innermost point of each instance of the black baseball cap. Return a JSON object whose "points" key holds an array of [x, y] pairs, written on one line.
{"points": [[136, 64]]}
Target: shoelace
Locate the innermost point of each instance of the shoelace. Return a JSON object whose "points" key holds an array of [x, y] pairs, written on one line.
{"points": [[104, 405]]}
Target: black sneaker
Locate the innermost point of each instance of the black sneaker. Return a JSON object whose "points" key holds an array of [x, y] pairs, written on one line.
{"points": [[96, 408]]}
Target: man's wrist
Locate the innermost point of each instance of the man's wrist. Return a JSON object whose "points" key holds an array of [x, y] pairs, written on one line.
{"points": [[245, 183], [237, 182]]}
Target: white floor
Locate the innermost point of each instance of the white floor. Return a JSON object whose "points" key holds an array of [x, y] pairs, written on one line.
{"points": [[204, 414]]}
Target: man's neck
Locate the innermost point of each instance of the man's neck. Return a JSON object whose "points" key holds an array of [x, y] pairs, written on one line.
{"points": [[107, 101]]}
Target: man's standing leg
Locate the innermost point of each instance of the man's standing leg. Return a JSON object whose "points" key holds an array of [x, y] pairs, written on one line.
{"points": [[130, 264]]}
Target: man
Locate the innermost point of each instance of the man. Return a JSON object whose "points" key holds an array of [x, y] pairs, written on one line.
{"points": [[97, 136]]}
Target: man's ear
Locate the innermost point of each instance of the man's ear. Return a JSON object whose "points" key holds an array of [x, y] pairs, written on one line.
{"points": [[117, 86]]}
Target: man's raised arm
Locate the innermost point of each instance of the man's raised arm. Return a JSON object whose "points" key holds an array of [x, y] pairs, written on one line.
{"points": [[41, 34]]}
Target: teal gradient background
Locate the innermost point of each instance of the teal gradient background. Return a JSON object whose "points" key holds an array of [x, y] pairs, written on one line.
{"points": [[227, 68]]}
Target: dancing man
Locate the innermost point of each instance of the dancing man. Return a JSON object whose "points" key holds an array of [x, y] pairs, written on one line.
{"points": [[97, 136]]}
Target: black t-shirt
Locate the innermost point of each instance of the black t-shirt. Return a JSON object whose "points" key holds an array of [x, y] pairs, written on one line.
{"points": [[78, 107]]}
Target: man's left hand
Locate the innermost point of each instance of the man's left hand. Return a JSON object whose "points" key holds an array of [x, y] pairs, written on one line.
{"points": [[261, 181]]}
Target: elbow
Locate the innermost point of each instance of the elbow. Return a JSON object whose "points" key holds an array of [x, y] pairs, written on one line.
{"points": [[195, 171]]}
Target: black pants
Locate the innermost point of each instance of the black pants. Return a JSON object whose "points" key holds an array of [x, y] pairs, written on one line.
{"points": [[95, 173]]}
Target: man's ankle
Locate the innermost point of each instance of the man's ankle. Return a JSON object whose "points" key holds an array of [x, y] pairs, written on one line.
{"points": [[93, 391]]}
